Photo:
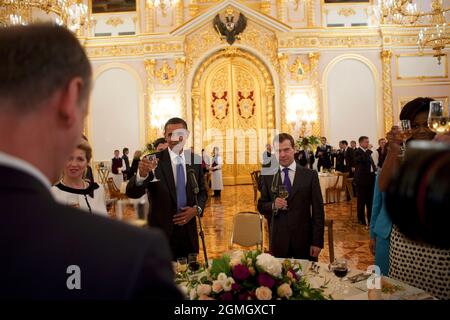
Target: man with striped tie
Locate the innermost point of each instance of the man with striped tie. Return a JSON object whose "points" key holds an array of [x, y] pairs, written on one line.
{"points": [[171, 194], [297, 216]]}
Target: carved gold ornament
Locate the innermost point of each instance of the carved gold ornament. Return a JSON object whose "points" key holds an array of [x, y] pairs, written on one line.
{"points": [[346, 12], [166, 74], [298, 70], [114, 21]]}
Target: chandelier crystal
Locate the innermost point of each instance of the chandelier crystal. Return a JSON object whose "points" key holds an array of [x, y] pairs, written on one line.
{"points": [[71, 13], [434, 34]]}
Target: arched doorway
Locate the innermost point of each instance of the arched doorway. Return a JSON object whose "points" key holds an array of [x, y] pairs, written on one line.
{"points": [[232, 99]]}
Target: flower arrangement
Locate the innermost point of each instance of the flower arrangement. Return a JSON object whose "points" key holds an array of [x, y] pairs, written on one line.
{"points": [[313, 141], [249, 275]]}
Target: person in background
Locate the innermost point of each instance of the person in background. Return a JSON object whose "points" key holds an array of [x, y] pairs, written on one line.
{"points": [[205, 162], [305, 156], [126, 161], [323, 153], [353, 145], [135, 163], [344, 158], [364, 179], [73, 190], [160, 144], [381, 151], [45, 84], [117, 167], [216, 173], [89, 174], [267, 156]]}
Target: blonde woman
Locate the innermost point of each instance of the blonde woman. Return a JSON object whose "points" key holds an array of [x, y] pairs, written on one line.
{"points": [[73, 190]]}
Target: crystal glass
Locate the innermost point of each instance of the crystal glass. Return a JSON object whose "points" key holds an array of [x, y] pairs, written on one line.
{"points": [[152, 158], [438, 117]]}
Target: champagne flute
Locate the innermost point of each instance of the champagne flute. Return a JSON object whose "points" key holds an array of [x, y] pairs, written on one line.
{"points": [[182, 264], [154, 161], [405, 132], [283, 193], [438, 118], [73, 200]]}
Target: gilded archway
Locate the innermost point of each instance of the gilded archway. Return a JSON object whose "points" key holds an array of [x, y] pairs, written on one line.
{"points": [[233, 108]]}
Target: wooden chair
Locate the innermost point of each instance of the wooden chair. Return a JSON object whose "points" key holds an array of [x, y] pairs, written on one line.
{"points": [[114, 192], [337, 189], [247, 230], [255, 179], [329, 226]]}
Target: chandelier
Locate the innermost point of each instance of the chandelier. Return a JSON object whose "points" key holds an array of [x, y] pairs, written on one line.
{"points": [[163, 5], [405, 12], [71, 13]]}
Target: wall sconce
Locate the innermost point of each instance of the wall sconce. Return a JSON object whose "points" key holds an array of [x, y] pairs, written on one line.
{"points": [[163, 109], [301, 113]]}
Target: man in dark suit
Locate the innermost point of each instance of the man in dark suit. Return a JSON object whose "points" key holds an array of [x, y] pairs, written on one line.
{"points": [[172, 197], [297, 223], [323, 153], [47, 250], [364, 180], [344, 158], [267, 156], [305, 156], [126, 161]]}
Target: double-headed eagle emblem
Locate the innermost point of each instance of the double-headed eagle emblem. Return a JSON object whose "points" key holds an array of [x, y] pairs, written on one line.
{"points": [[230, 29]]}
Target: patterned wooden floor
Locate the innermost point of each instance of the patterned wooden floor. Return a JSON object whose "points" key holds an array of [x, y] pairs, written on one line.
{"points": [[351, 241]]}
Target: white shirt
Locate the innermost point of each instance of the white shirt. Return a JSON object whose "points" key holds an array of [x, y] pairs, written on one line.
{"points": [[174, 160], [97, 203], [21, 165], [292, 167], [345, 151]]}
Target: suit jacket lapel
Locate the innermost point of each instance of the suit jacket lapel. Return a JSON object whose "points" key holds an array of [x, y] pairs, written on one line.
{"points": [[166, 168], [297, 182]]}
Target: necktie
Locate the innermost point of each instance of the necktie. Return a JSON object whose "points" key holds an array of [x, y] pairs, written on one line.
{"points": [[287, 182], [181, 185]]}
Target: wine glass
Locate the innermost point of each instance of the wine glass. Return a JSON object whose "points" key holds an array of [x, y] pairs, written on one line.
{"points": [[405, 132], [438, 118], [154, 161], [283, 193], [73, 200], [182, 264], [192, 262], [340, 270]]}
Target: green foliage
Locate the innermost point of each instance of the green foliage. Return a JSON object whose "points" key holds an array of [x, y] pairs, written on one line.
{"points": [[221, 265]]}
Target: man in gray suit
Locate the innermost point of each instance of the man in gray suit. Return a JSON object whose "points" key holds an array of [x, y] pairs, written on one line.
{"points": [[297, 223]]}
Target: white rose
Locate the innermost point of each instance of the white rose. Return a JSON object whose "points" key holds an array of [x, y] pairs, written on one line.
{"points": [[217, 286], [222, 277], [284, 291], [227, 284], [236, 258], [193, 294], [269, 264], [203, 290], [263, 293]]}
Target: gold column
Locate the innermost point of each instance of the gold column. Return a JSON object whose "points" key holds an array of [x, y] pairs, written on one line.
{"points": [[180, 63], [150, 65], [270, 94], [179, 13], [386, 56], [149, 17], [193, 8], [196, 120], [315, 82], [283, 61], [310, 18], [281, 10], [266, 5]]}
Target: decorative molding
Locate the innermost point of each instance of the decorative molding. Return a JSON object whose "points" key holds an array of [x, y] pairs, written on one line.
{"points": [[193, 8], [266, 6], [386, 58], [166, 74], [315, 81], [310, 15], [180, 65], [283, 71], [150, 65], [298, 70], [420, 78], [114, 21], [346, 12]]}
